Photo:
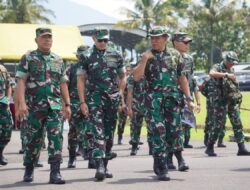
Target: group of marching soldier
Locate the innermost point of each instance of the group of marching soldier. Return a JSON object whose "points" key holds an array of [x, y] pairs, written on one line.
{"points": [[159, 89]]}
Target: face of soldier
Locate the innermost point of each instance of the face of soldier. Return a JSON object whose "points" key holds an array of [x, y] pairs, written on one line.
{"points": [[181, 46], [44, 43], [158, 42], [100, 44]]}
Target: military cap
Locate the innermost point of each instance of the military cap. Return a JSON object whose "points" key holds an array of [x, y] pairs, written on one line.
{"points": [[230, 57], [101, 33], [81, 49], [158, 31], [43, 31], [181, 37]]}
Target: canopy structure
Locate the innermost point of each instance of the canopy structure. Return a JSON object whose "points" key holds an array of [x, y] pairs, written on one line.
{"points": [[17, 39]]}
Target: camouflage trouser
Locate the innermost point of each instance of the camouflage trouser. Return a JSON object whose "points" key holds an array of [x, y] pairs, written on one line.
{"points": [[6, 125], [186, 130], [101, 123], [234, 116], [38, 122], [135, 126], [76, 128], [163, 116], [122, 118], [219, 114], [209, 121]]}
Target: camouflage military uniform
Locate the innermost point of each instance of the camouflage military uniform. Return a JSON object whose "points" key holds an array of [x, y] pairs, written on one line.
{"points": [[43, 74], [162, 109], [76, 123], [138, 89], [6, 122], [220, 109], [102, 69], [122, 118], [189, 73]]}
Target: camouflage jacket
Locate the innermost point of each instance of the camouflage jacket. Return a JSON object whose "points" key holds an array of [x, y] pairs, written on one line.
{"points": [[189, 72], [72, 84], [43, 74], [5, 81], [218, 82], [102, 69], [162, 72], [231, 91], [138, 91]]}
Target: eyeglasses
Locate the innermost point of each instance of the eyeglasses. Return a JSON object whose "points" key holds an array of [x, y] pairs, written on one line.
{"points": [[185, 42], [103, 40]]}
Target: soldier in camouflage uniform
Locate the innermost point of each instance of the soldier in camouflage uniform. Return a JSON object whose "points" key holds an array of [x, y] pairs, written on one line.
{"points": [[226, 98], [163, 70], [105, 71], [76, 123], [136, 111], [181, 42], [122, 114], [42, 83], [6, 121]]}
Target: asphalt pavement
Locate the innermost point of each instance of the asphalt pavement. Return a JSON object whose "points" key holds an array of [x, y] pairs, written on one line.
{"points": [[224, 172]]}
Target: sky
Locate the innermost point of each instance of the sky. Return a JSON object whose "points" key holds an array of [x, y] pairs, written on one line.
{"points": [[110, 8]]}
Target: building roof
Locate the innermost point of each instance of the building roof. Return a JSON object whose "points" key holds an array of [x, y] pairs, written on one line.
{"points": [[17, 39], [126, 38]]}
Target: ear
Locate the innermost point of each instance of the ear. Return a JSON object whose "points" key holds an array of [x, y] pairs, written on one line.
{"points": [[36, 40]]}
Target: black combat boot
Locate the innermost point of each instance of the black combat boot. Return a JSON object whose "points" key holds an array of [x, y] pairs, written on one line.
{"points": [[108, 174], [182, 166], [72, 158], [21, 151], [161, 169], [150, 148], [100, 169], [206, 139], [210, 149], [91, 164], [186, 143], [55, 176], [220, 143], [119, 139], [134, 149], [242, 150], [3, 161], [170, 163], [29, 173]]}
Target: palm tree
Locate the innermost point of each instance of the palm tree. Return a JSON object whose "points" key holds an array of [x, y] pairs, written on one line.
{"points": [[26, 11]]}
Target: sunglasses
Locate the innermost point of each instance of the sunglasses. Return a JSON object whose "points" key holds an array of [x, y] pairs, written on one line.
{"points": [[103, 40], [185, 42]]}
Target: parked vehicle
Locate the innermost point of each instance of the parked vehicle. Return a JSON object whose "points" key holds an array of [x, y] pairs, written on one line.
{"points": [[243, 77]]}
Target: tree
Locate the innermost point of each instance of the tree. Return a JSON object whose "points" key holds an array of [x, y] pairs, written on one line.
{"points": [[153, 12], [217, 25], [26, 11]]}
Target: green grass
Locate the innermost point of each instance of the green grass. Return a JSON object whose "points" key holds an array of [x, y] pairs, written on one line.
{"points": [[200, 119]]}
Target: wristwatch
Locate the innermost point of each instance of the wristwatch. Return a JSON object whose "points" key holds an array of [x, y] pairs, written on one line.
{"points": [[66, 105], [189, 99]]}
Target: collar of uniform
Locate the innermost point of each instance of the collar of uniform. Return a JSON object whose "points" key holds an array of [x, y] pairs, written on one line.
{"points": [[99, 51], [43, 53]]}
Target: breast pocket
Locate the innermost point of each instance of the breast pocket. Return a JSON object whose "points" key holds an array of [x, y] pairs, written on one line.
{"points": [[55, 72], [36, 71]]}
